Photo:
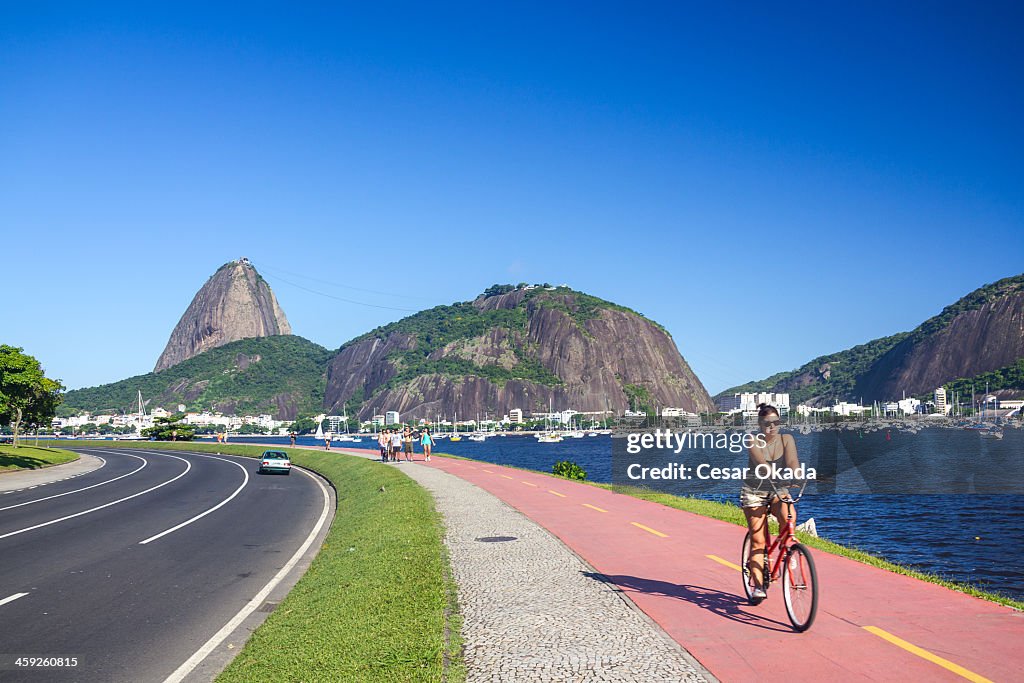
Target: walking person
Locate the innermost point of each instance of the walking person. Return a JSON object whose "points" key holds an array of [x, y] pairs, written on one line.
{"points": [[292, 437], [385, 443], [427, 441], [407, 441], [396, 444]]}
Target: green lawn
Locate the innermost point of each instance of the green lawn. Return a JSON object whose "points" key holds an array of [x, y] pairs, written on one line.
{"points": [[32, 458], [377, 604]]}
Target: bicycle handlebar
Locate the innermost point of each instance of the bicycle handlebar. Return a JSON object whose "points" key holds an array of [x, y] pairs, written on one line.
{"points": [[790, 499]]}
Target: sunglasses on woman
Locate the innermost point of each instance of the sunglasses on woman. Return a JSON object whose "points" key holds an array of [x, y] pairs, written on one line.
{"points": [[770, 423]]}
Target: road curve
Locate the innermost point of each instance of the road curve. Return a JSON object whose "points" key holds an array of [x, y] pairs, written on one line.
{"points": [[78, 580]]}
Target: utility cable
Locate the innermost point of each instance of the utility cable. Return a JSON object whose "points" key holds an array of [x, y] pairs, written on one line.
{"points": [[273, 269], [348, 301]]}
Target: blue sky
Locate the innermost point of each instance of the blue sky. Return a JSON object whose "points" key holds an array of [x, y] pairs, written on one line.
{"points": [[769, 182]]}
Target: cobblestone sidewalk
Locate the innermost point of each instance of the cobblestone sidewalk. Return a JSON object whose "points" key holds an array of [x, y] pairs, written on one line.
{"points": [[530, 610]]}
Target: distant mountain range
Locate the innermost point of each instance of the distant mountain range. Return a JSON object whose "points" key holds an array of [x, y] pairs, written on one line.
{"points": [[527, 347], [977, 339]]}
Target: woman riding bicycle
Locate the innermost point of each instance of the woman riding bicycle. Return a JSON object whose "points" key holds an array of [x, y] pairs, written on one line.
{"points": [[756, 493]]}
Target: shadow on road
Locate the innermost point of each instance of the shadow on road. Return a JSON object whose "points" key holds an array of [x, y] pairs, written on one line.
{"points": [[727, 605]]}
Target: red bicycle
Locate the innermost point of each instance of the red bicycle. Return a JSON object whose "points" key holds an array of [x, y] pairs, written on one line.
{"points": [[793, 565]]}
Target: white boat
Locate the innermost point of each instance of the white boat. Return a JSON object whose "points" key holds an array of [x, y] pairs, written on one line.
{"points": [[477, 437], [549, 437]]}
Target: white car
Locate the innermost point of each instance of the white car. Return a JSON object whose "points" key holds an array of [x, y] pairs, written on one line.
{"points": [[275, 461]]}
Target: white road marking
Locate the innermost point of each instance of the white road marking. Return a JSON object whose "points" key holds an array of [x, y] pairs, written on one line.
{"points": [[39, 500], [106, 505], [202, 653], [219, 505], [12, 598]]}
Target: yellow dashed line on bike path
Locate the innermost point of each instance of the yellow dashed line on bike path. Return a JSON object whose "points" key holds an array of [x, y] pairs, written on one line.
{"points": [[649, 529], [488, 472], [593, 507], [924, 654], [507, 477], [556, 493], [727, 563], [530, 484]]}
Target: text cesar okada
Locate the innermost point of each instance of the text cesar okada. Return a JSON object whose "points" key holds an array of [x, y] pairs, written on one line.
{"points": [[677, 470], [734, 442]]}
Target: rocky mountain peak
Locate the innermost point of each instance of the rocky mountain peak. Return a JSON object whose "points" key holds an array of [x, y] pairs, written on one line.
{"points": [[235, 303]]}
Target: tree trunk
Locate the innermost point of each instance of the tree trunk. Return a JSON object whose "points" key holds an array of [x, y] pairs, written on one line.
{"points": [[16, 424]]}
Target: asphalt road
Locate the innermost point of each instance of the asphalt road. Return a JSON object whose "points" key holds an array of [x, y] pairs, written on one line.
{"points": [[79, 579]]}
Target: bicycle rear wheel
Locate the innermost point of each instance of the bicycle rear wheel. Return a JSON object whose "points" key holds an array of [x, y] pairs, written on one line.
{"points": [[748, 589], [800, 587]]}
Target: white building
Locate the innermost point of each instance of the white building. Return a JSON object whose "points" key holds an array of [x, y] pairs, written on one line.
{"points": [[515, 416], [377, 420], [334, 422], [940, 401], [906, 406], [846, 409], [747, 402], [391, 417]]}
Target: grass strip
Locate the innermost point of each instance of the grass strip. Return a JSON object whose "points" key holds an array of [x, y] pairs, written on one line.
{"points": [[32, 458], [377, 603]]}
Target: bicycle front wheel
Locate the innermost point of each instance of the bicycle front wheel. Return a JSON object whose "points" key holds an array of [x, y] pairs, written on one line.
{"points": [[800, 587]]}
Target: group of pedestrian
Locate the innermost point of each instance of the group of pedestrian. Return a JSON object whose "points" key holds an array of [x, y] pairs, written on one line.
{"points": [[396, 442]]}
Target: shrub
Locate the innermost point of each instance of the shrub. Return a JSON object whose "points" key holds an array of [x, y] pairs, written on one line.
{"points": [[569, 470]]}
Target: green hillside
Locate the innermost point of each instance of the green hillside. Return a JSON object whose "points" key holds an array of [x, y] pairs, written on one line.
{"points": [[251, 376], [808, 383], [1009, 378], [436, 327]]}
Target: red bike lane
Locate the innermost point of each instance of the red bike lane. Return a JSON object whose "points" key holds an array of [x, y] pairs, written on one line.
{"points": [[682, 570]]}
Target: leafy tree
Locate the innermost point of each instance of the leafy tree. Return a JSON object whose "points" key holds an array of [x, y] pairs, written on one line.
{"points": [[303, 425], [170, 429], [252, 429], [26, 394], [495, 290]]}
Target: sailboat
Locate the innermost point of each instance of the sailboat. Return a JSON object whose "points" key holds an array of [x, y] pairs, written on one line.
{"points": [[455, 429], [319, 432], [136, 436], [548, 436], [478, 435]]}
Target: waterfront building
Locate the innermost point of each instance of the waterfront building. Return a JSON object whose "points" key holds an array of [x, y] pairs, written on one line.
{"points": [[747, 402], [515, 416], [940, 401], [377, 420], [391, 417]]}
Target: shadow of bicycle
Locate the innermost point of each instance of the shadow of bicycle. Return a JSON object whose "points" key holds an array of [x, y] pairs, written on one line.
{"points": [[727, 605]]}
